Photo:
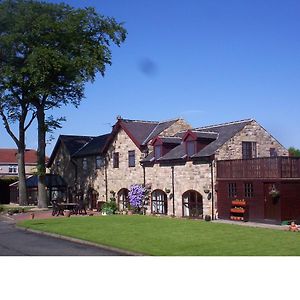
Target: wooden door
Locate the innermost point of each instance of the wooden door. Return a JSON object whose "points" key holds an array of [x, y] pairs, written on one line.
{"points": [[272, 205]]}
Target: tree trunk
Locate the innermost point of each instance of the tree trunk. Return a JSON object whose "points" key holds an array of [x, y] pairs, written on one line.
{"points": [[21, 161], [42, 193], [22, 176]]}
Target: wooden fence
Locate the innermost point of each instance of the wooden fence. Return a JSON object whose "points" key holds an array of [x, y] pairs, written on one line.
{"points": [[267, 167]]}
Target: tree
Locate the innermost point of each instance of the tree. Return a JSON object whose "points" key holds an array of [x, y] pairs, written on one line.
{"points": [[57, 49], [13, 108], [294, 152]]}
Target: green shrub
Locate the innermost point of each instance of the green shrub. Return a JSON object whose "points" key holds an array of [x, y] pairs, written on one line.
{"points": [[109, 207]]}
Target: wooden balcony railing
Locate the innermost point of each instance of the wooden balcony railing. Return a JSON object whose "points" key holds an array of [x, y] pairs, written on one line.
{"points": [[266, 167]]}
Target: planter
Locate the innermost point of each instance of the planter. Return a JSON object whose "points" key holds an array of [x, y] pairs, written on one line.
{"points": [[129, 212], [207, 218], [103, 213]]}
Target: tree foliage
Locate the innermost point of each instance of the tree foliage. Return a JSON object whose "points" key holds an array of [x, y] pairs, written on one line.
{"points": [[294, 151], [47, 53]]}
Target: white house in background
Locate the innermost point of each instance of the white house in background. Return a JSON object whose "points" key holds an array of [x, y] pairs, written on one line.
{"points": [[9, 163]]}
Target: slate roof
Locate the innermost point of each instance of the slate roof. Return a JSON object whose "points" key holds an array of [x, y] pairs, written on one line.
{"points": [[73, 144], [225, 132], [9, 156], [94, 147], [221, 133], [139, 130], [159, 128], [171, 140]]}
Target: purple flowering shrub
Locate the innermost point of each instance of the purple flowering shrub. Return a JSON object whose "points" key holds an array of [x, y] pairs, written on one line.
{"points": [[136, 196]]}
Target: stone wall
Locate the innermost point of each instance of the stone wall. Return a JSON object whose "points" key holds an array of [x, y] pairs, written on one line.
{"points": [[63, 166], [91, 178], [252, 132], [186, 177], [124, 176], [179, 125]]}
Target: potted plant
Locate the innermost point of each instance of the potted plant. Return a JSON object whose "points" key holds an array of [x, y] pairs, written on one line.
{"points": [[274, 193]]}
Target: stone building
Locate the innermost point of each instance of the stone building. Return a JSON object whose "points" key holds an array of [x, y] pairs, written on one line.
{"points": [[176, 162], [80, 161], [182, 170]]}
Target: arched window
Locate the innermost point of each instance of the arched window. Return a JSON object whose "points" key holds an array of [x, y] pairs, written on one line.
{"points": [[192, 204], [159, 202], [123, 199]]}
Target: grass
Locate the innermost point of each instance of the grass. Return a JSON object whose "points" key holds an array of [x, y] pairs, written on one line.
{"points": [[166, 236]]}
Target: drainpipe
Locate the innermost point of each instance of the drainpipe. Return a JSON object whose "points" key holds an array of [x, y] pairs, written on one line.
{"points": [[106, 183], [212, 189], [173, 190], [144, 173]]}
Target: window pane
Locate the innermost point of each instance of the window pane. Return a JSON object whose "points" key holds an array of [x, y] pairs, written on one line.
{"points": [[273, 152], [99, 162], [116, 159], [249, 150], [157, 152], [84, 163], [131, 158], [159, 203], [190, 148], [232, 189]]}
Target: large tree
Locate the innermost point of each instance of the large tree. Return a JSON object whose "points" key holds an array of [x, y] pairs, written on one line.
{"points": [[54, 49], [294, 152]]}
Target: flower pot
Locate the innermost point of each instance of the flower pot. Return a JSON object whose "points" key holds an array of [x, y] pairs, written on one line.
{"points": [[130, 212], [67, 213], [103, 213]]}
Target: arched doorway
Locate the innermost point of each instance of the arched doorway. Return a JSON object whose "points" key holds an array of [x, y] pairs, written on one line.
{"points": [[192, 204], [123, 199], [159, 202], [92, 196]]}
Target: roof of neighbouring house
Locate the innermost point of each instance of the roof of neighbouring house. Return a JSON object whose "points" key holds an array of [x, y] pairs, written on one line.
{"points": [[94, 147], [73, 143], [51, 180], [9, 156]]}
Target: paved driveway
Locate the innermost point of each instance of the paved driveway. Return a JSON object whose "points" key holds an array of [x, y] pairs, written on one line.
{"points": [[14, 241]]}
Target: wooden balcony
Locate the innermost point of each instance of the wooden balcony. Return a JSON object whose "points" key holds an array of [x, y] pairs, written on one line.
{"points": [[266, 167]]}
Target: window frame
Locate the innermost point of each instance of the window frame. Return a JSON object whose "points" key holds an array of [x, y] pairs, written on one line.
{"points": [[13, 169], [232, 189], [273, 152], [131, 158], [249, 150], [190, 145], [116, 160], [159, 202], [248, 190], [156, 154], [99, 161], [84, 164]]}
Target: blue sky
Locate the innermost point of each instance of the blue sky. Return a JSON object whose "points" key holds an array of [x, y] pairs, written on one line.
{"points": [[208, 61]]}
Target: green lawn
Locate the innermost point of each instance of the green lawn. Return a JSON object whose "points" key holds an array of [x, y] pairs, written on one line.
{"points": [[166, 236]]}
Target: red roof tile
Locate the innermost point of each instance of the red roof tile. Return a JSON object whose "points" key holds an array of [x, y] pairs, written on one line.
{"points": [[9, 156]]}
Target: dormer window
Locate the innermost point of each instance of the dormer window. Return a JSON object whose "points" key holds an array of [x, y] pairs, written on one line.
{"points": [[190, 148], [157, 151]]}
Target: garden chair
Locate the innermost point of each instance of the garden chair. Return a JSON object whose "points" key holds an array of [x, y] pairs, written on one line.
{"points": [[56, 208]]}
